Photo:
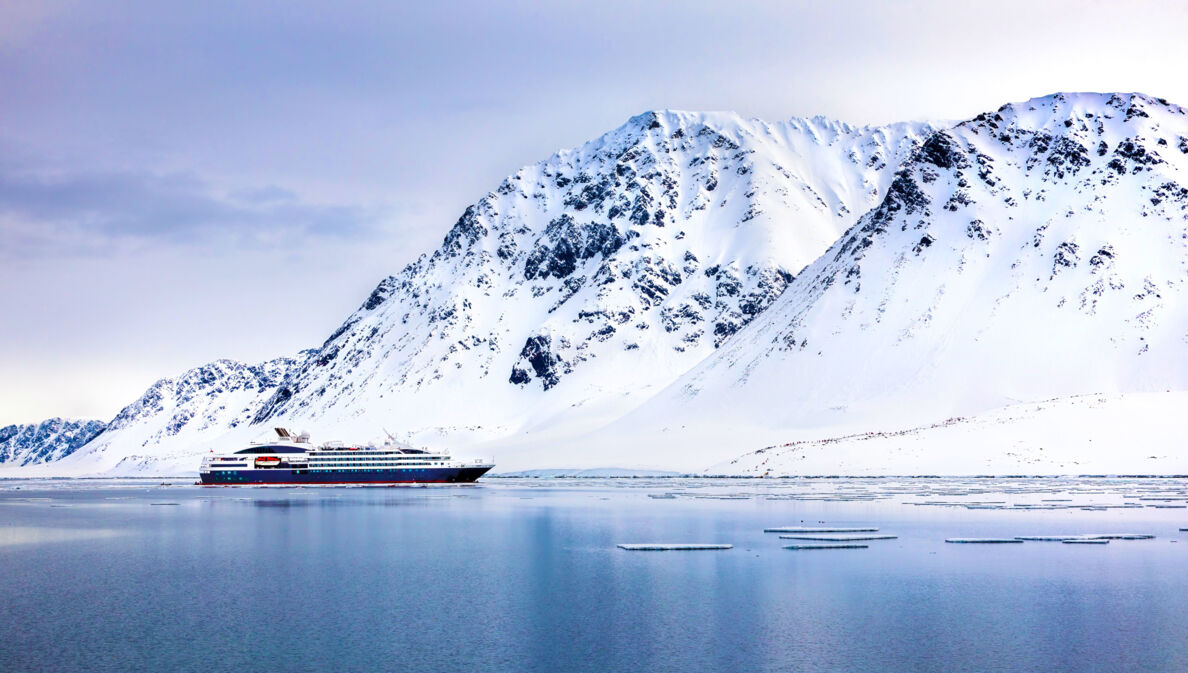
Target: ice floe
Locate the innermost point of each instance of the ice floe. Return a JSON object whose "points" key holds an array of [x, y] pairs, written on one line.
{"points": [[674, 547], [837, 538], [984, 540], [810, 530], [803, 547]]}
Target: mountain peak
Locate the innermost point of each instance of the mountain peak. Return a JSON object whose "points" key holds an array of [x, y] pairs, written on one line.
{"points": [[1054, 113], [650, 244], [46, 441], [1029, 253], [688, 266]]}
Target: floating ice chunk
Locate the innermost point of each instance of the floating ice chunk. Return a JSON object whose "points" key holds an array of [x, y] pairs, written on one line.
{"points": [[1053, 538], [837, 538], [1122, 536], [984, 540], [165, 503], [803, 547], [1084, 541], [674, 547], [803, 529], [663, 496]]}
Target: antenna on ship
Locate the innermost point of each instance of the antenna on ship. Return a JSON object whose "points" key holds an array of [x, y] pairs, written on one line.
{"points": [[391, 437]]}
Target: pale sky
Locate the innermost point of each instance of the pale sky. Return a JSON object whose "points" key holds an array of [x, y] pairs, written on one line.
{"points": [[185, 181]]}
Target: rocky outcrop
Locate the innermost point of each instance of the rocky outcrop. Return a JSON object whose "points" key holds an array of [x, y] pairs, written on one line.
{"points": [[46, 441]]}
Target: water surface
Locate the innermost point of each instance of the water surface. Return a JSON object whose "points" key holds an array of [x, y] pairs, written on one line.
{"points": [[524, 575]]}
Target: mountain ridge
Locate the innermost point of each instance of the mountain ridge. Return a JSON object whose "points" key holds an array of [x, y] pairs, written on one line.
{"points": [[1028, 253], [46, 441], [614, 183], [780, 278]]}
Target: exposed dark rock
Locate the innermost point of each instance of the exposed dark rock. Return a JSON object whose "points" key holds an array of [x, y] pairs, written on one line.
{"points": [[538, 355], [977, 229], [464, 233], [381, 294], [1102, 258], [1133, 151], [726, 327], [1065, 257], [941, 151], [1067, 155], [278, 399], [674, 318], [565, 244], [925, 241], [49, 440]]}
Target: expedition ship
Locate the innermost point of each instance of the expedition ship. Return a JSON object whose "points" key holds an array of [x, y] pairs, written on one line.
{"points": [[291, 459]]}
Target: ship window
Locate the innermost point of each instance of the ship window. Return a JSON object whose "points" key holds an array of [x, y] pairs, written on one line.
{"points": [[270, 449]]}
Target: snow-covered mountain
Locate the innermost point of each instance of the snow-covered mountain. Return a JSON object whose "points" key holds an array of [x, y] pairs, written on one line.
{"points": [[1033, 252], [587, 282], [46, 441], [690, 288], [576, 289], [177, 418]]}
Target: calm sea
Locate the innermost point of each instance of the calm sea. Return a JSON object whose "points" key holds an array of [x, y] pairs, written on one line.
{"points": [[524, 575]]}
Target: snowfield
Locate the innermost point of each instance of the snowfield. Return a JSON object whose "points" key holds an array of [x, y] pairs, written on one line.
{"points": [[1132, 434], [1004, 295]]}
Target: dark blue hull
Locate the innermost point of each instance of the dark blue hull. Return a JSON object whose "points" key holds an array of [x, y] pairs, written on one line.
{"points": [[412, 475]]}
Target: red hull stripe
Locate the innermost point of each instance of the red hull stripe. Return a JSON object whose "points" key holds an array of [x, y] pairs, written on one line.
{"points": [[337, 483]]}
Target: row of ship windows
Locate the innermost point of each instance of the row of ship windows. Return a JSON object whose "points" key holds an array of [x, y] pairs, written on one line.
{"points": [[328, 463], [360, 470], [368, 459], [357, 467], [236, 477], [367, 454], [385, 462], [324, 467]]}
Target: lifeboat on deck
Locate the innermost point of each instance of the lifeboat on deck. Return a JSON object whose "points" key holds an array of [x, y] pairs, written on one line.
{"points": [[268, 461]]}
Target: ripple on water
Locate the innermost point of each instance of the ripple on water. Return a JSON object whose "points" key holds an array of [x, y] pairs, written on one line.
{"points": [[22, 535]]}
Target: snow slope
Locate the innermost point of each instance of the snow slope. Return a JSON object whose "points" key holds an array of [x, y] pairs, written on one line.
{"points": [[175, 420], [690, 288], [46, 441], [1034, 252], [1130, 434], [587, 282], [576, 289]]}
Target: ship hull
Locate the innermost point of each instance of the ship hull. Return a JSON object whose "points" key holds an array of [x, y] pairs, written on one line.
{"points": [[275, 476]]}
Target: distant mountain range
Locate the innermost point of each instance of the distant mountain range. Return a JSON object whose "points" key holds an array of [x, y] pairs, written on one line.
{"points": [[690, 288], [46, 441]]}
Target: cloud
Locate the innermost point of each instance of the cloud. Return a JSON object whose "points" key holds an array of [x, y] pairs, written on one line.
{"points": [[80, 212]]}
